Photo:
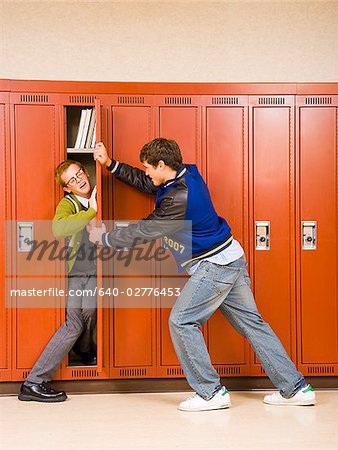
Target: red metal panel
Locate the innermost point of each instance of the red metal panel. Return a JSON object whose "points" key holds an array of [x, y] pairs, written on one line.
{"points": [[133, 328], [182, 124], [131, 88], [318, 342], [33, 188], [272, 200], [99, 326], [181, 121], [101, 370], [226, 149], [4, 312]]}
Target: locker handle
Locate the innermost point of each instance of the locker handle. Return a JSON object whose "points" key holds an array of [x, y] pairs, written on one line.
{"points": [[309, 235], [119, 225], [262, 235], [25, 236]]}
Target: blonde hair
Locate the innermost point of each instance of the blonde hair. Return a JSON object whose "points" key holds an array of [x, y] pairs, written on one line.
{"points": [[62, 167]]}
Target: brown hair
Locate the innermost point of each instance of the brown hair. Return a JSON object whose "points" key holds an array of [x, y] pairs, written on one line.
{"points": [[162, 149], [62, 167]]}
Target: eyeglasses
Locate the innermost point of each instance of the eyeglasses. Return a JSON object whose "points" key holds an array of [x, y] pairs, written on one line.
{"points": [[78, 176]]}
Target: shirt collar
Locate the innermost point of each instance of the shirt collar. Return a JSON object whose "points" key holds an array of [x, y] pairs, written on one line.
{"points": [[84, 201]]}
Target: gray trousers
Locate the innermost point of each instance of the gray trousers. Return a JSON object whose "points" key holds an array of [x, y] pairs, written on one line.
{"points": [[77, 329]]}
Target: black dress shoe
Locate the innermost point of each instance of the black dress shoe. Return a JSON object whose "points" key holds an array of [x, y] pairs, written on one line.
{"points": [[40, 393]]}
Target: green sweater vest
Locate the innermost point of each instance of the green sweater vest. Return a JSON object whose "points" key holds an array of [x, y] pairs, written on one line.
{"points": [[69, 221]]}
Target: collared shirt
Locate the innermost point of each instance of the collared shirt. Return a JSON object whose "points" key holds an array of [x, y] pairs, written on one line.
{"points": [[228, 255], [84, 201], [85, 263]]}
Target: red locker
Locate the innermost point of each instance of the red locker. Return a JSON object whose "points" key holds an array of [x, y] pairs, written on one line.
{"points": [[68, 131], [33, 157], [262, 176], [133, 328], [5, 313], [178, 118], [227, 153], [317, 235], [271, 146]]}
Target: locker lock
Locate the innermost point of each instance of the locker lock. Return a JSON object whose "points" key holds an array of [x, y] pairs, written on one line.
{"points": [[262, 235], [118, 226], [309, 234], [25, 236]]}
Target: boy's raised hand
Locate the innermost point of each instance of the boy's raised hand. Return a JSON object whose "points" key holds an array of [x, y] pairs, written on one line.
{"points": [[92, 200], [101, 154]]}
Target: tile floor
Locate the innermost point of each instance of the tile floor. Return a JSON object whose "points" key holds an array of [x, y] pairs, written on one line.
{"points": [[152, 421]]}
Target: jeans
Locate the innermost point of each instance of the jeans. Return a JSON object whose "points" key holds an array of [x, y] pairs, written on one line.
{"points": [[226, 287]]}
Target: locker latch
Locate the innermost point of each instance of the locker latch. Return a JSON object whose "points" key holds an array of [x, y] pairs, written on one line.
{"points": [[262, 235], [25, 236], [118, 225], [309, 232]]}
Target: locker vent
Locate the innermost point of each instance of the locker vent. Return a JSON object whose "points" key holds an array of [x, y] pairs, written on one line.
{"points": [[34, 98], [130, 100], [81, 373], [81, 99], [263, 371], [25, 374], [318, 101], [228, 370], [225, 100], [177, 100], [174, 372], [320, 370], [271, 101], [133, 372]]}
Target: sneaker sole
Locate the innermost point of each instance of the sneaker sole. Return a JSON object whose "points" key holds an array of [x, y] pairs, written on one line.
{"points": [[31, 398], [308, 403], [209, 408]]}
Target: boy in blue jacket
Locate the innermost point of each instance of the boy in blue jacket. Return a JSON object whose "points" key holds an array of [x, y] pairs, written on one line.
{"points": [[219, 279]]}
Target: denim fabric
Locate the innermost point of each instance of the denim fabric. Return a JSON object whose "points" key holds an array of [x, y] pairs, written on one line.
{"points": [[227, 287]]}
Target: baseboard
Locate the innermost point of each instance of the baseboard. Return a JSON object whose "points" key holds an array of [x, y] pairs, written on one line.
{"points": [[154, 385]]}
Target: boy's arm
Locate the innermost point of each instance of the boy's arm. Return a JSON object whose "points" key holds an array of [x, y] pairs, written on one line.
{"points": [[133, 176], [66, 222], [166, 219]]}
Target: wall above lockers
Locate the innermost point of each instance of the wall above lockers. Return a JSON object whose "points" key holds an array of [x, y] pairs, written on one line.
{"points": [[158, 40]]}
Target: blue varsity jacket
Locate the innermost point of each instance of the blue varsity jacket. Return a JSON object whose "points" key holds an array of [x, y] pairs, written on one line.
{"points": [[184, 216]]}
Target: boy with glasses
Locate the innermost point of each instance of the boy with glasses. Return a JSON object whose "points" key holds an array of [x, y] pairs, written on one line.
{"points": [[71, 222]]}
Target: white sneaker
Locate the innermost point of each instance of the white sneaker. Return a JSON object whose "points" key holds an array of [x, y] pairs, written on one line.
{"points": [[220, 400], [304, 397]]}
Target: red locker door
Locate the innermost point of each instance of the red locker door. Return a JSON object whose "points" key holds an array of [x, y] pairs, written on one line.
{"points": [[71, 370], [33, 157], [178, 118], [133, 328], [317, 236], [272, 215], [5, 312], [226, 153]]}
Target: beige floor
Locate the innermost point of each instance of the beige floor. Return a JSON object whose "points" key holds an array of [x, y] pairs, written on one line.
{"points": [[152, 421]]}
